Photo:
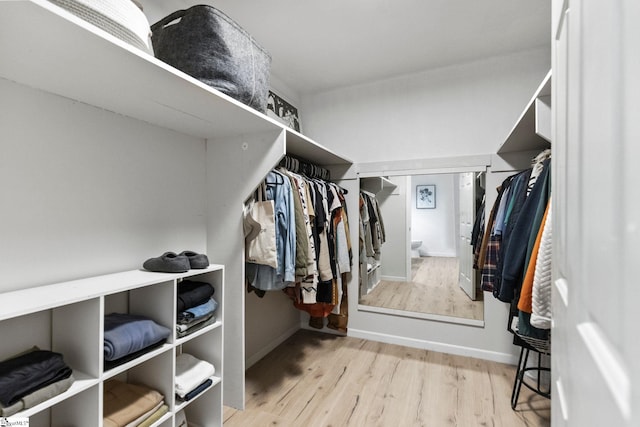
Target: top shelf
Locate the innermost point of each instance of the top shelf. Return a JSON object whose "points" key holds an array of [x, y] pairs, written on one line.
{"points": [[86, 64], [300, 146], [376, 184], [527, 135], [31, 300]]}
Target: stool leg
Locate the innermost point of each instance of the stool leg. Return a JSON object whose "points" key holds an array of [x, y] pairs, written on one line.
{"points": [[517, 384], [539, 372]]}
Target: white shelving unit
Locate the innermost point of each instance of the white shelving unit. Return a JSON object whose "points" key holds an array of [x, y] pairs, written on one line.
{"points": [[370, 272], [531, 133], [68, 318], [373, 276], [47, 48]]}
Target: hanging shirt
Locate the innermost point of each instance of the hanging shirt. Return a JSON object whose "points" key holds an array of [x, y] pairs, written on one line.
{"points": [[264, 277], [302, 238]]}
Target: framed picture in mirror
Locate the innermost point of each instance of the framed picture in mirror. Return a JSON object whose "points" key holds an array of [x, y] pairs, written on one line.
{"points": [[425, 196]]}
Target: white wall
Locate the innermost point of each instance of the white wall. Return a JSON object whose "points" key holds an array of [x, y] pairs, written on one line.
{"points": [[461, 110], [87, 192], [436, 228], [454, 111], [268, 322]]}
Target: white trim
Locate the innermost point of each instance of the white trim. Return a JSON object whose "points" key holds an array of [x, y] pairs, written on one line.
{"points": [[394, 278], [438, 254], [408, 223], [324, 330], [254, 358], [424, 316], [435, 346], [472, 163]]}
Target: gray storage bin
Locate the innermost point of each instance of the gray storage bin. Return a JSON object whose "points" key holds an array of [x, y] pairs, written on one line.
{"points": [[208, 45]]}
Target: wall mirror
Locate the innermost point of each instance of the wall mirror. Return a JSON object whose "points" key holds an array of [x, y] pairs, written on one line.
{"points": [[424, 267]]}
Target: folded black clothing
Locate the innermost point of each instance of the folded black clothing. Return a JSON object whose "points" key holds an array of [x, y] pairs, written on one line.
{"points": [[110, 364], [196, 391], [24, 374], [192, 294], [60, 375]]}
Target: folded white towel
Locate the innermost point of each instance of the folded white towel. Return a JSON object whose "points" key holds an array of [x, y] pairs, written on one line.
{"points": [[191, 372]]}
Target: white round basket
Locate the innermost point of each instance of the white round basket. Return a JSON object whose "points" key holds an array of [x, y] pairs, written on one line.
{"points": [[120, 18]]}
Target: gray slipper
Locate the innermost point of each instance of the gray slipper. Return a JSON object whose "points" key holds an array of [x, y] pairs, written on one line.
{"points": [[168, 262], [196, 260]]}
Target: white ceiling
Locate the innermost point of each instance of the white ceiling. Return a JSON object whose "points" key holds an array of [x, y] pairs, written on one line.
{"points": [[322, 45]]}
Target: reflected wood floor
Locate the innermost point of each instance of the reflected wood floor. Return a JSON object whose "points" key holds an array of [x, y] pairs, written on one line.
{"points": [[433, 289], [320, 380]]}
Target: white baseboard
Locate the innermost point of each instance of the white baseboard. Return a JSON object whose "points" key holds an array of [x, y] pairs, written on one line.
{"points": [[438, 254], [418, 315], [254, 358], [494, 356], [394, 278], [458, 350], [324, 330]]}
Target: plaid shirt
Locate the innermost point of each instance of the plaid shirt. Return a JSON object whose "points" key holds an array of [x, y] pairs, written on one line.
{"points": [[490, 278]]}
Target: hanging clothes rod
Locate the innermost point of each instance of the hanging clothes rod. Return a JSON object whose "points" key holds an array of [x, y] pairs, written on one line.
{"points": [[303, 167]]}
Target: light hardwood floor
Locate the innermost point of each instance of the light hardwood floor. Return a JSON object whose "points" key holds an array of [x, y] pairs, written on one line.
{"points": [[433, 289], [320, 380]]}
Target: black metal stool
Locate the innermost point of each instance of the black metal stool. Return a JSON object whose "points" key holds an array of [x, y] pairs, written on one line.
{"points": [[528, 344]]}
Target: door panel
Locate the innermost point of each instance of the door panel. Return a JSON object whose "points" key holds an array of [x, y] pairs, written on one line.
{"points": [[631, 193], [467, 214], [593, 337]]}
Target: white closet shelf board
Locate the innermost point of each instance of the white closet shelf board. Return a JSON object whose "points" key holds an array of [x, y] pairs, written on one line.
{"points": [[196, 334], [180, 404], [376, 184], [31, 300], [110, 373], [418, 166], [81, 382], [50, 49], [298, 145], [524, 136]]}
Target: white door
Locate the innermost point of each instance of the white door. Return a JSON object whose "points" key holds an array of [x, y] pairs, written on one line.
{"points": [[596, 213], [465, 251]]}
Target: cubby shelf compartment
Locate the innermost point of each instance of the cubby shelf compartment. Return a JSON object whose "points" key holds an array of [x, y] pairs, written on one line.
{"points": [[110, 373], [196, 334], [82, 382], [181, 404]]}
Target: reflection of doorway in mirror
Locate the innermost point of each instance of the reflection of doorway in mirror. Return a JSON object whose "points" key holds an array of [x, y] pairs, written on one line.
{"points": [[466, 215]]}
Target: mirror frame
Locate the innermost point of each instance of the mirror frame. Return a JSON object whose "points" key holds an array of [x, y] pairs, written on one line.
{"points": [[479, 163]]}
